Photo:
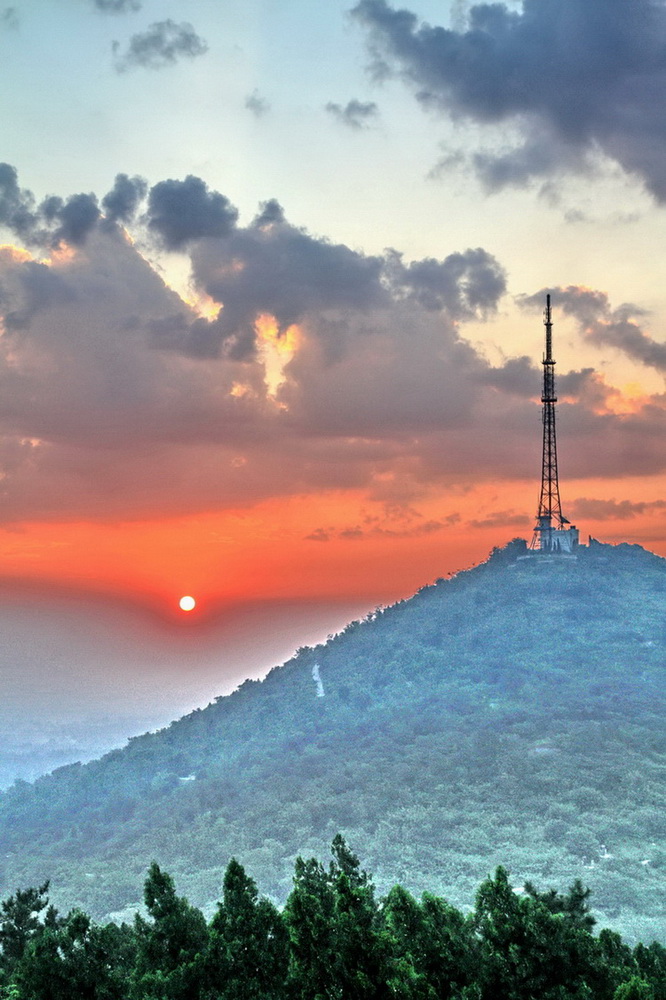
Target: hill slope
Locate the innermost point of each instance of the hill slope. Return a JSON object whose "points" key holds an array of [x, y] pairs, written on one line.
{"points": [[513, 714]]}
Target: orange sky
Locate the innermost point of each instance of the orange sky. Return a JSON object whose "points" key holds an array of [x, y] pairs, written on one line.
{"points": [[277, 549]]}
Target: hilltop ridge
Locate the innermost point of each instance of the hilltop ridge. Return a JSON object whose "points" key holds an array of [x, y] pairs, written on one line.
{"points": [[511, 714]]}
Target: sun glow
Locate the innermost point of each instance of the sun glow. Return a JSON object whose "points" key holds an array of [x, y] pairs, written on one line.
{"points": [[187, 603], [276, 349], [205, 306], [629, 398]]}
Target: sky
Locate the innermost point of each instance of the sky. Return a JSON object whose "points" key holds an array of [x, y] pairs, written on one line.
{"points": [[272, 282]]}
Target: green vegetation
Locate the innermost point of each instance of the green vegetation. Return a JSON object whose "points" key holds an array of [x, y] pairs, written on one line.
{"points": [[333, 940], [510, 715]]}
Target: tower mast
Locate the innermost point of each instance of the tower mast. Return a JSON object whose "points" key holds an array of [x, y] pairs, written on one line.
{"points": [[549, 532]]}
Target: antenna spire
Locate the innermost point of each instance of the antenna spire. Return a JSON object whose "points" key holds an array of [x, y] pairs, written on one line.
{"points": [[550, 535]]}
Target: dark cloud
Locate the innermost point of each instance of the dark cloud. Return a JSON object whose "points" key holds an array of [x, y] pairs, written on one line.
{"points": [[521, 377], [270, 212], [355, 114], [257, 104], [162, 44], [53, 222], [122, 201], [75, 218], [518, 376], [539, 158], [9, 18], [117, 398], [571, 76], [117, 6], [17, 211], [273, 267], [201, 338], [278, 269], [466, 284], [182, 211], [37, 288], [602, 325], [610, 510]]}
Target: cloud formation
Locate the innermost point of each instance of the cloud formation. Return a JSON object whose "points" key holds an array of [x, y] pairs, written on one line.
{"points": [[54, 221], [602, 325], [503, 519], [355, 114], [573, 78], [271, 267], [257, 104], [394, 521], [122, 201], [610, 510], [118, 398], [117, 6], [161, 44], [182, 211], [16, 205]]}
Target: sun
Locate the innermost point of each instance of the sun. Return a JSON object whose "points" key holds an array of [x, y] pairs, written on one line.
{"points": [[187, 603]]}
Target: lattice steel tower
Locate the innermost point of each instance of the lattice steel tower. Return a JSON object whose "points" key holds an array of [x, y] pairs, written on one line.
{"points": [[550, 535]]}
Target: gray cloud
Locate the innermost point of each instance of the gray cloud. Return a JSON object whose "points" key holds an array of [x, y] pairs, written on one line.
{"points": [[182, 211], [17, 206], [37, 288], [608, 510], [273, 267], [269, 212], [117, 6], [122, 201], [355, 114], [602, 325], [572, 77], [278, 269], [161, 44], [74, 218], [502, 519], [466, 284], [521, 377], [257, 104], [53, 222]]}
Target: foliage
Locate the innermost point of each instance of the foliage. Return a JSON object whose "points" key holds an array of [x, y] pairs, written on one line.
{"points": [[333, 940], [170, 947]]}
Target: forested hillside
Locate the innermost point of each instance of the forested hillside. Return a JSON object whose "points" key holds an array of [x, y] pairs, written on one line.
{"points": [[510, 715]]}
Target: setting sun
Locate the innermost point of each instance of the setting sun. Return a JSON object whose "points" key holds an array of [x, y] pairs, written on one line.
{"points": [[187, 603]]}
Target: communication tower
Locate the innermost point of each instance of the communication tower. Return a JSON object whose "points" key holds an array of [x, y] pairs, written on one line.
{"points": [[553, 533]]}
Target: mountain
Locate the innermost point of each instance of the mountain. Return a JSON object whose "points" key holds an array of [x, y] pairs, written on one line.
{"points": [[68, 661], [512, 714]]}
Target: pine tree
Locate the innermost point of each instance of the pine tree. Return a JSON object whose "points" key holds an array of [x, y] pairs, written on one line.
{"points": [[310, 920], [74, 959], [247, 953], [532, 946], [20, 922], [171, 947]]}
